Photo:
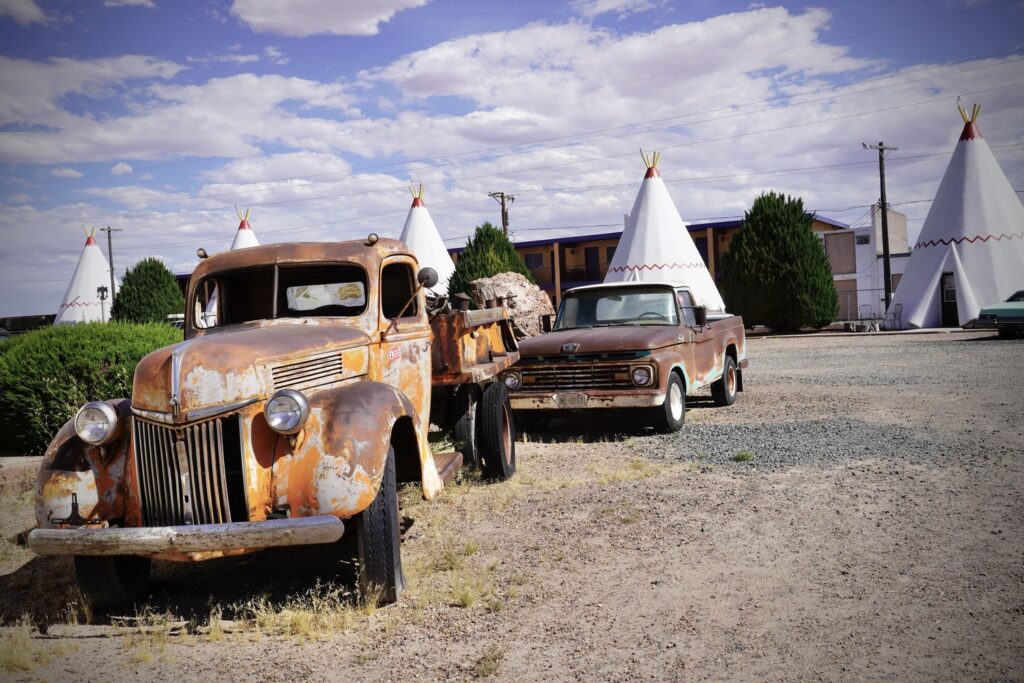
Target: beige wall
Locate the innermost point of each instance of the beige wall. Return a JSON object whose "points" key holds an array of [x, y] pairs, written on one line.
{"points": [[841, 251]]}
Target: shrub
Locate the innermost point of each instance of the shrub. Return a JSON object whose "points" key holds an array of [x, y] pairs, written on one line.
{"points": [[776, 272], [46, 375], [488, 253], [148, 293]]}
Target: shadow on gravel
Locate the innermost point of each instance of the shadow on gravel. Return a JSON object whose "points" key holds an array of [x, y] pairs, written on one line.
{"points": [[44, 589], [597, 426]]}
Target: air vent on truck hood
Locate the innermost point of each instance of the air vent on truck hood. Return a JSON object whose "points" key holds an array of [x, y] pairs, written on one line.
{"points": [[309, 372]]}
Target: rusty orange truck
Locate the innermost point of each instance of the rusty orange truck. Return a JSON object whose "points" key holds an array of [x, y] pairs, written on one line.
{"points": [[291, 413], [644, 346]]}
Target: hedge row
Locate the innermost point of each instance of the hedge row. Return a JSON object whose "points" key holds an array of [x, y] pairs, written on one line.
{"points": [[46, 375]]}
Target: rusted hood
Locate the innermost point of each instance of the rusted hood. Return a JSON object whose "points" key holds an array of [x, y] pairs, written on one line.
{"points": [[226, 367], [601, 339]]}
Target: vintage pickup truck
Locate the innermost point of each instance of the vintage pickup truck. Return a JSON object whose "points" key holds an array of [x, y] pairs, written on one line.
{"points": [[302, 403], [637, 345]]}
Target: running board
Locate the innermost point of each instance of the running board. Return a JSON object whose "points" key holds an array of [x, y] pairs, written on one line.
{"points": [[447, 465]]}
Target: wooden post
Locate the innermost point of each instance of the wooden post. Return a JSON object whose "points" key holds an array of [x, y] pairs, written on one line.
{"points": [[710, 241], [557, 261]]}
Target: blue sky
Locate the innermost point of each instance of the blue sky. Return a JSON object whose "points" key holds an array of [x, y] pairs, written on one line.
{"points": [[158, 117]]}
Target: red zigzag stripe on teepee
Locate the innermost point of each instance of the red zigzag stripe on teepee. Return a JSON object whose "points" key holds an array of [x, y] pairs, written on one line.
{"points": [[82, 304], [658, 266], [977, 238]]}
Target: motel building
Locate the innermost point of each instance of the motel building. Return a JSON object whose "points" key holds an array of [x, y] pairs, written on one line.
{"points": [[855, 254]]}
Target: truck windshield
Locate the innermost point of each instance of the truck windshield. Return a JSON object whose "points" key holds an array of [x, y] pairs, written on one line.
{"points": [[610, 307], [240, 296]]}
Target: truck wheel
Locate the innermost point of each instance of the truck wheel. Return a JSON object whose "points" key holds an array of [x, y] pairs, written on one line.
{"points": [[724, 389], [464, 429], [669, 416], [497, 433], [107, 581], [378, 534]]}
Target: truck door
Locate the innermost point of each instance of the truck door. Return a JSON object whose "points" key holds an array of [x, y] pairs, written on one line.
{"points": [[405, 349], [686, 335], [704, 363]]}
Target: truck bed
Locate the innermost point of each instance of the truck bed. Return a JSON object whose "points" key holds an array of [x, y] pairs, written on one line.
{"points": [[471, 346]]}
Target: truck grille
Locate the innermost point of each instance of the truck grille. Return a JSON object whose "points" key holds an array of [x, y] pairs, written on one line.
{"points": [[559, 378], [212, 459], [308, 373]]}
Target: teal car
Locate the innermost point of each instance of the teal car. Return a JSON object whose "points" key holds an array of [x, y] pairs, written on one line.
{"points": [[1007, 317]]}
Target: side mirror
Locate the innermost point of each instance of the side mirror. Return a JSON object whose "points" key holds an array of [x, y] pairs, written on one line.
{"points": [[700, 315], [427, 277], [546, 322]]}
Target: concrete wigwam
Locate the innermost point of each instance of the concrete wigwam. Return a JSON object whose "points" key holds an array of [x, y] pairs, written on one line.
{"points": [[422, 236], [81, 302], [656, 246], [970, 252]]}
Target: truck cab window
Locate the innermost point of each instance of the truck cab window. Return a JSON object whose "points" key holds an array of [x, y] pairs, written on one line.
{"points": [[686, 307], [396, 287]]}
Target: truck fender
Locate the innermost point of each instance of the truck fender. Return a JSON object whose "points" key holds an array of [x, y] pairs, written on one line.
{"points": [[681, 367], [94, 475], [337, 461]]}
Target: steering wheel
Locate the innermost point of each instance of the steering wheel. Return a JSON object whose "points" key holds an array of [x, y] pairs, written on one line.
{"points": [[653, 314]]}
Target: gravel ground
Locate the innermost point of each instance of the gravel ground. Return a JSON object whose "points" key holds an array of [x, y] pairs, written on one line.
{"points": [[875, 533]]}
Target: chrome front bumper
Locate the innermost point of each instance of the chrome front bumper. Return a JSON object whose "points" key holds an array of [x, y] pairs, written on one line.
{"points": [[186, 539], [585, 400]]}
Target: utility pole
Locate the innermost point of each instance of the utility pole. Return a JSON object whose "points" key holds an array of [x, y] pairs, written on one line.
{"points": [[110, 253], [502, 198], [883, 207]]}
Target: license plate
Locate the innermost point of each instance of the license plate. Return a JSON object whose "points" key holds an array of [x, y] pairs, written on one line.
{"points": [[571, 400]]}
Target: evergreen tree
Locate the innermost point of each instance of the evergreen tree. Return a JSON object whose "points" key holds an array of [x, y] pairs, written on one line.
{"points": [[776, 272], [148, 293], [487, 253]]}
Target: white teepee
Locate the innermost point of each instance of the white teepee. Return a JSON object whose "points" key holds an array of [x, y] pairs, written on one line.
{"points": [[973, 234], [245, 237], [421, 235], [81, 303], [656, 246]]}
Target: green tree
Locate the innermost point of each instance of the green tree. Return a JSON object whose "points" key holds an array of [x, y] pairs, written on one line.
{"points": [[776, 272], [148, 293], [487, 253]]}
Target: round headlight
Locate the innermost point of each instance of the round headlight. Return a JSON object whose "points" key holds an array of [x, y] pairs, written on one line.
{"points": [[642, 376], [286, 411], [96, 423], [512, 381]]}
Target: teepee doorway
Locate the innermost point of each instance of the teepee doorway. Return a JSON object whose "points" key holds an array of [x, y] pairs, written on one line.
{"points": [[950, 318]]}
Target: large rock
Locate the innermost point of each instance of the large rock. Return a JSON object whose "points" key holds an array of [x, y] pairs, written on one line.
{"points": [[526, 301]]}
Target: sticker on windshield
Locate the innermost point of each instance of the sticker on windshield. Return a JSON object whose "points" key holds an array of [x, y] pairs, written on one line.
{"points": [[311, 297]]}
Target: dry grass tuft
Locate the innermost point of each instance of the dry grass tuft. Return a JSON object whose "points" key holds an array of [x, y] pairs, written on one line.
{"points": [[17, 649], [635, 469], [319, 612], [489, 662]]}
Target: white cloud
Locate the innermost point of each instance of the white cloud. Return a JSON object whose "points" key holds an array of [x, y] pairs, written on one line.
{"points": [[229, 59], [66, 173], [275, 55], [593, 8], [300, 18], [120, 168], [23, 12], [33, 90], [147, 176], [20, 198], [148, 4]]}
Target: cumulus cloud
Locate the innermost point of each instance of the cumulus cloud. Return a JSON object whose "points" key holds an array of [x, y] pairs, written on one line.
{"points": [[148, 4], [275, 55], [66, 173], [593, 8], [301, 18], [23, 12], [227, 59], [120, 168]]}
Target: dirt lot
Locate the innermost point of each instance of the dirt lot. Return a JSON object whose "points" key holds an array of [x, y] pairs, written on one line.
{"points": [[856, 515]]}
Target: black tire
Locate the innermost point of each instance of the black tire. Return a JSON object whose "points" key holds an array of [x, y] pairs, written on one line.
{"points": [[669, 416], [465, 430], [378, 535], [497, 433], [107, 581], [724, 389]]}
